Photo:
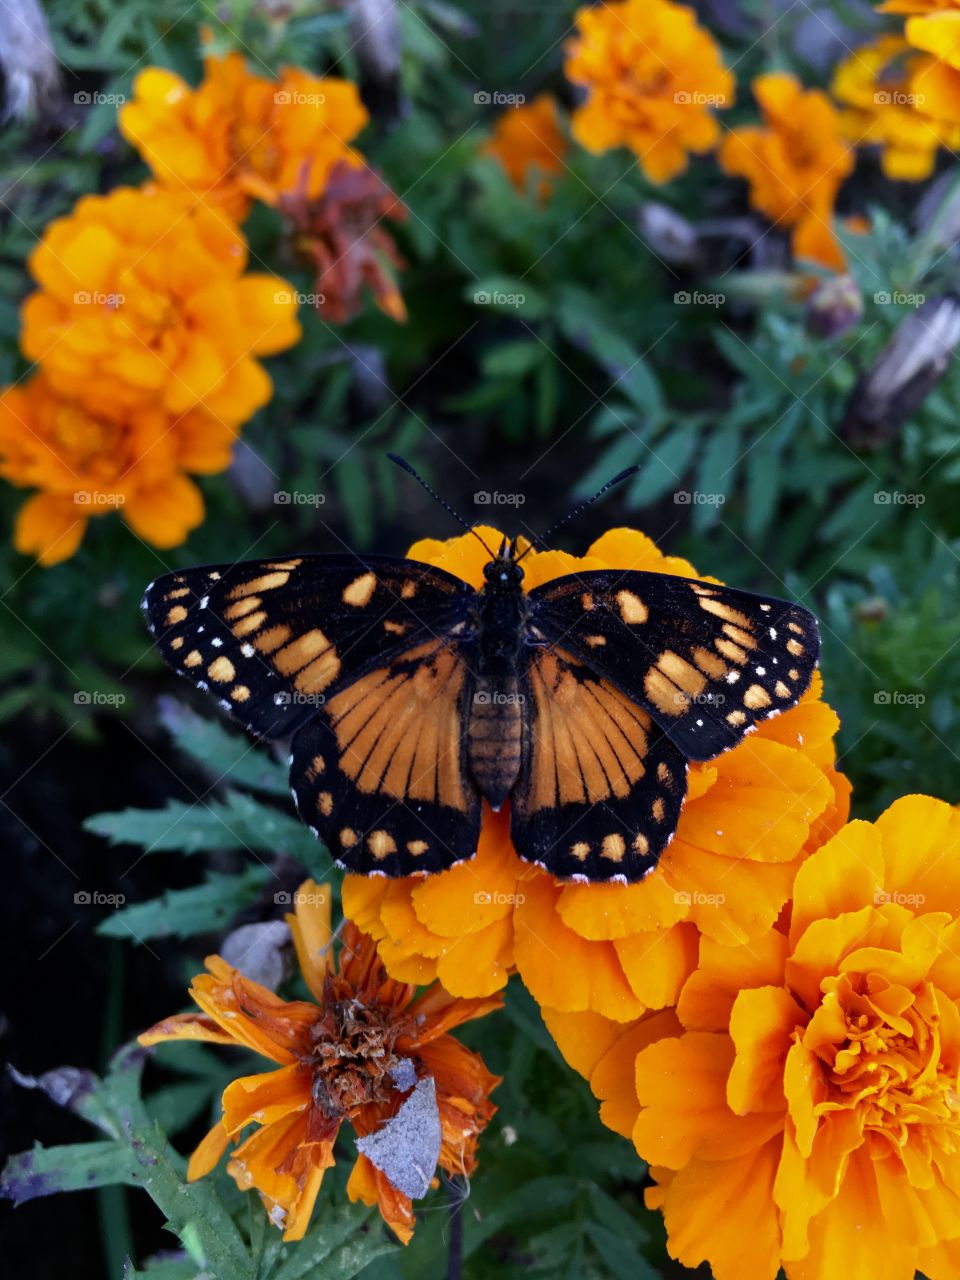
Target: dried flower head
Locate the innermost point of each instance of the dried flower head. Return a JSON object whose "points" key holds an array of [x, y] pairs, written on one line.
{"points": [[341, 233], [351, 1055]]}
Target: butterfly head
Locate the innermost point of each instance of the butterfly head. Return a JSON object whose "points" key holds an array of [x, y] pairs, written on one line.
{"points": [[503, 573]]}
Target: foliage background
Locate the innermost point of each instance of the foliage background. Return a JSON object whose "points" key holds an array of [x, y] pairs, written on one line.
{"points": [[600, 366]]}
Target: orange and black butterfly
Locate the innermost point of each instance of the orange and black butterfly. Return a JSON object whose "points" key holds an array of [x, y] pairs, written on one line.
{"points": [[411, 697]]}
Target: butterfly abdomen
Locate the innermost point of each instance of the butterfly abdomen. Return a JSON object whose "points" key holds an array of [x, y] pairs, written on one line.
{"points": [[493, 737]]}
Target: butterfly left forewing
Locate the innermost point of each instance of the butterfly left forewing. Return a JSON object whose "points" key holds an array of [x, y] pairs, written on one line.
{"points": [[707, 662], [601, 785], [272, 639]]}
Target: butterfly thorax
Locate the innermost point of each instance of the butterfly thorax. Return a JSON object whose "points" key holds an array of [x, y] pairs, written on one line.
{"points": [[495, 725]]}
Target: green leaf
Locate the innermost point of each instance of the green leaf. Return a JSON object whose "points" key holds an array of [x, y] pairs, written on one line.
{"points": [[223, 754], [181, 913], [341, 1242], [513, 359], [44, 1171], [508, 296]]}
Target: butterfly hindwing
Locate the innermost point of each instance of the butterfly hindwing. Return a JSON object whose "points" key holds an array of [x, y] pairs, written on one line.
{"points": [[601, 785], [272, 639], [380, 772], [706, 661]]}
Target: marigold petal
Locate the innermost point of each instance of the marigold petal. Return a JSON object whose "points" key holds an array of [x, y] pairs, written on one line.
{"points": [[186, 1026], [708, 996], [265, 1098], [49, 527], [612, 1079], [562, 970], [658, 962], [309, 925], [681, 1086], [762, 1024], [164, 513], [583, 1037], [731, 901], [846, 874], [722, 1212], [606, 911], [479, 963], [208, 1153], [473, 894], [921, 852]]}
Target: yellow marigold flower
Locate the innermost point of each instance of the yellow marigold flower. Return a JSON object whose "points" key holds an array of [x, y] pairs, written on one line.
{"points": [[651, 75], [932, 25], [348, 1056], [143, 300], [749, 819], [528, 140], [86, 465], [906, 103], [239, 136], [795, 162], [800, 1107]]}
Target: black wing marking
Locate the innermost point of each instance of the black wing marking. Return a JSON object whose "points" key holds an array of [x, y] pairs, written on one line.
{"points": [[601, 785], [708, 662], [381, 772], [272, 639]]}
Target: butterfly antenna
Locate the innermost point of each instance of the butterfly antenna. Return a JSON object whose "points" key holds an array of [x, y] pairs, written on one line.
{"points": [[617, 479], [405, 466]]}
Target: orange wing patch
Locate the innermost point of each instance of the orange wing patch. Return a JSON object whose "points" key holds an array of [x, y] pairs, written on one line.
{"points": [[399, 728], [588, 741]]}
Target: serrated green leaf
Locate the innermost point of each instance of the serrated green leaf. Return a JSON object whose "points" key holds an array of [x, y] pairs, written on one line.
{"points": [[223, 754], [45, 1171], [181, 913], [513, 359]]}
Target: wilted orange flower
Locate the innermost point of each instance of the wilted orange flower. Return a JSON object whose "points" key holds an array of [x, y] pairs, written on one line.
{"points": [[528, 140], [749, 819], [801, 1107], [341, 233], [652, 75], [795, 163], [346, 1057], [239, 136], [890, 96], [89, 465], [143, 300]]}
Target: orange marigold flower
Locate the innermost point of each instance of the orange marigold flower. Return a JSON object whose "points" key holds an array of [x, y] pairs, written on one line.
{"points": [[906, 103], [528, 140], [239, 136], [795, 162], [143, 300], [800, 1107], [651, 74], [750, 818], [349, 1055], [87, 465], [341, 233]]}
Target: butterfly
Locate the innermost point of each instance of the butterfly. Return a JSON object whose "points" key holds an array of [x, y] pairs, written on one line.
{"points": [[411, 697]]}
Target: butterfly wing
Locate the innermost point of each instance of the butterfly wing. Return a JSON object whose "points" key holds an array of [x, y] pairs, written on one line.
{"points": [[380, 772], [367, 661], [601, 785], [273, 639], [707, 662]]}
